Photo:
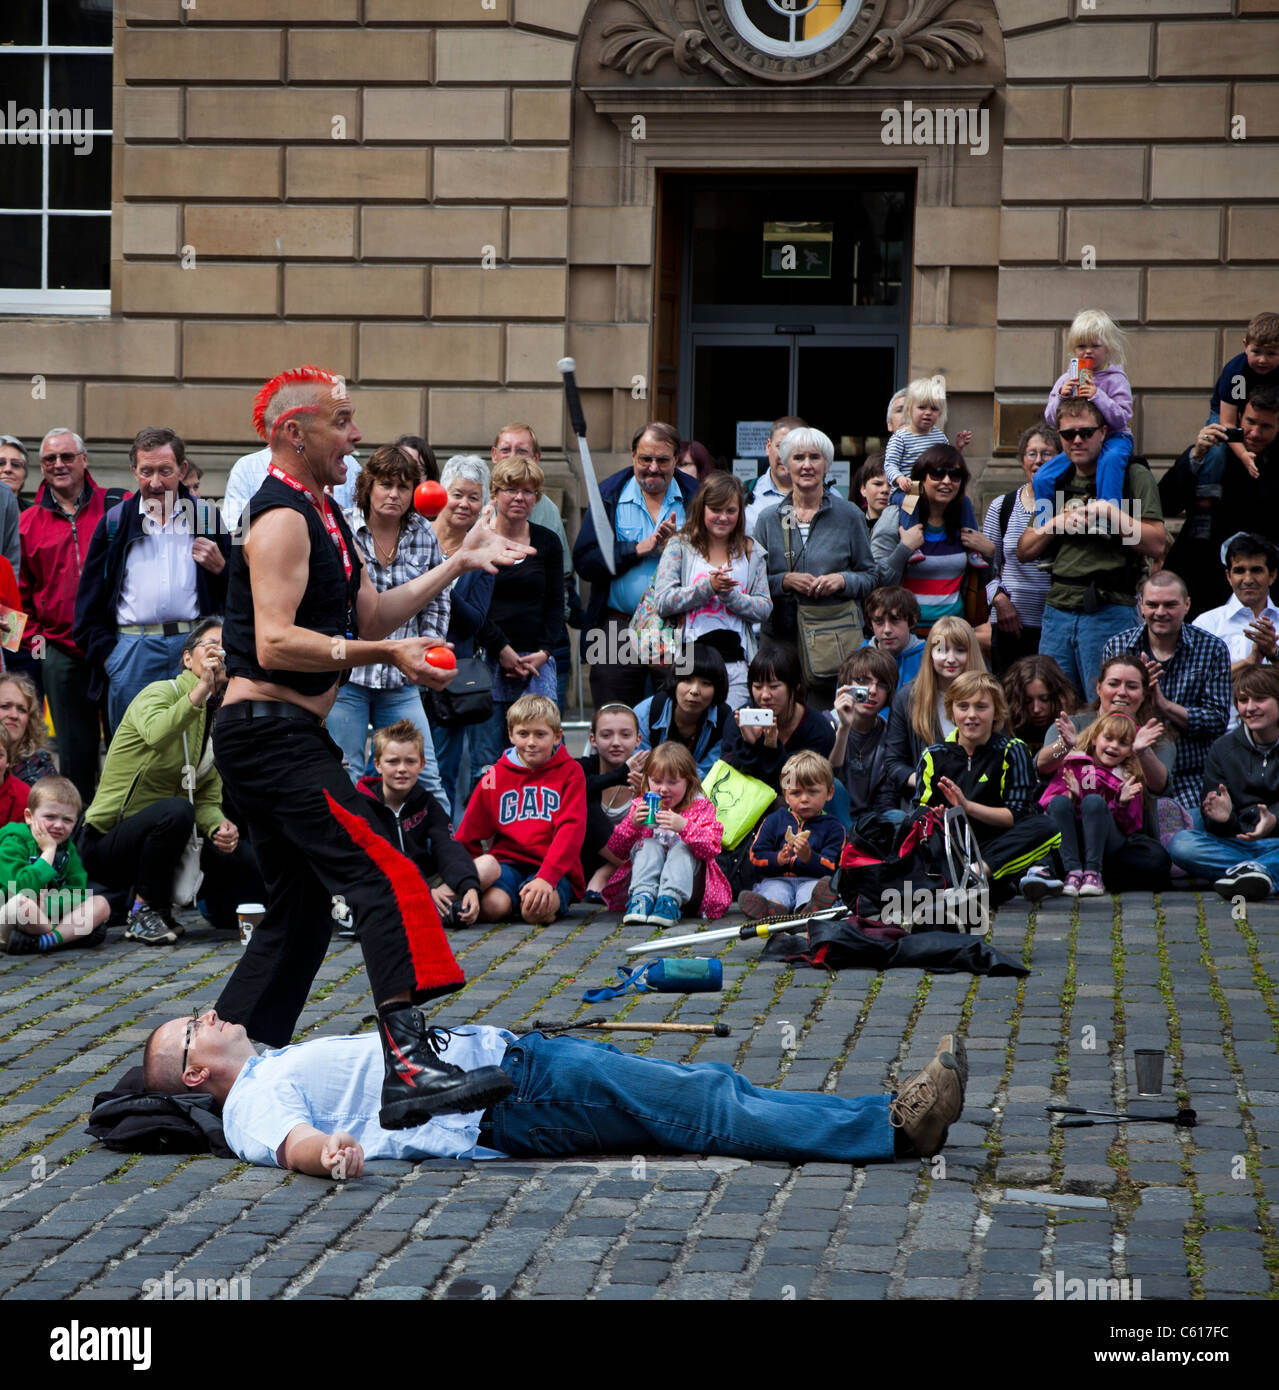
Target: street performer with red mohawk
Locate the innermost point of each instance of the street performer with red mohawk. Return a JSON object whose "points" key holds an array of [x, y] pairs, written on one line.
{"points": [[300, 610]]}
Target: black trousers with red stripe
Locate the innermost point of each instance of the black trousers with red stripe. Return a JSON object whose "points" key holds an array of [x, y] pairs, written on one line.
{"points": [[315, 843]]}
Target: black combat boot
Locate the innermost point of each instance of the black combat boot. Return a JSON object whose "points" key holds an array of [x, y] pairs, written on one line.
{"points": [[419, 1083]]}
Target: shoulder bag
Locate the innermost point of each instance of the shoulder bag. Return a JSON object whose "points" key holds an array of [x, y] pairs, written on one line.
{"points": [[829, 633]]}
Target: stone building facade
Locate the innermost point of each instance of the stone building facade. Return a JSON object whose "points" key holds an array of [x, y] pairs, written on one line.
{"points": [[438, 198]]}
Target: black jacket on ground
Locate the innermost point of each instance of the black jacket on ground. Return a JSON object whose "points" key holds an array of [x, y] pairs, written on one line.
{"points": [[422, 831]]}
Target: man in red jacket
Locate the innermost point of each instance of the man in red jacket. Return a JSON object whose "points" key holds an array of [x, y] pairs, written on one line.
{"points": [[529, 812], [55, 532]]}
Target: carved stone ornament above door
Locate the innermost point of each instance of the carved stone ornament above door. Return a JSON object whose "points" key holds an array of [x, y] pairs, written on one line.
{"points": [[787, 40]]}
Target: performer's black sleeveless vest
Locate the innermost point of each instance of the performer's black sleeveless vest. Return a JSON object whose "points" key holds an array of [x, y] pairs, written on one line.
{"points": [[327, 606]]}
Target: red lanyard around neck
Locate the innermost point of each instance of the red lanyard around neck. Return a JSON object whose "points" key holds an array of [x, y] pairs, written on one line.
{"points": [[325, 510]]}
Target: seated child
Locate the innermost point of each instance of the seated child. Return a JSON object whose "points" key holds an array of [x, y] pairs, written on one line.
{"points": [[1095, 800], [860, 754], [925, 411], [47, 902], [989, 775], [796, 850], [1257, 366], [612, 765], [1093, 334], [13, 790], [421, 826], [657, 863], [1238, 848], [526, 821], [893, 614]]}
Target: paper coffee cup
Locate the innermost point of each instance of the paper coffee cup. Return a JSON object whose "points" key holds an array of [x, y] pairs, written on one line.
{"points": [[249, 915]]}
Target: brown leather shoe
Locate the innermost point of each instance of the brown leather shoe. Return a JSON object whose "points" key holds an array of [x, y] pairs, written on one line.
{"points": [[954, 1044], [928, 1104]]}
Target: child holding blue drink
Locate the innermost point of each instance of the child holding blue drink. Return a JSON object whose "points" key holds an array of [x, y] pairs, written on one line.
{"points": [[658, 849]]}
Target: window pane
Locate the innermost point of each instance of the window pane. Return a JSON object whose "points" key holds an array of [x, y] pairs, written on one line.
{"points": [[20, 253], [78, 22], [78, 180], [20, 23], [82, 84], [79, 253], [20, 185], [21, 82]]}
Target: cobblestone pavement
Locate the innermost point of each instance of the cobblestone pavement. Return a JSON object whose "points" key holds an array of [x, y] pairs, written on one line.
{"points": [[1189, 1213]]}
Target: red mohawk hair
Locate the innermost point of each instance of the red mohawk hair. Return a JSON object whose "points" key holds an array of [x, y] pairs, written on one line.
{"points": [[293, 377]]}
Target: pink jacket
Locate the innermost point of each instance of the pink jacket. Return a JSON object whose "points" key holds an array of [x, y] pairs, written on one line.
{"points": [[1113, 399], [703, 835], [1092, 777]]}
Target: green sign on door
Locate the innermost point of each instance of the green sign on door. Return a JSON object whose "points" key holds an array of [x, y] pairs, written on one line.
{"points": [[798, 250]]}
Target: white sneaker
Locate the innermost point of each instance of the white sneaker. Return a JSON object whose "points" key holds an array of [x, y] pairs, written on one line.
{"points": [[1248, 880], [1038, 883]]}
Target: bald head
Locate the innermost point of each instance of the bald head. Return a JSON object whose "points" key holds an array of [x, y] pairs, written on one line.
{"points": [[214, 1049]]}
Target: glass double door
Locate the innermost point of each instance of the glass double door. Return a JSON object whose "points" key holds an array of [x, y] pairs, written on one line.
{"points": [[839, 383]]}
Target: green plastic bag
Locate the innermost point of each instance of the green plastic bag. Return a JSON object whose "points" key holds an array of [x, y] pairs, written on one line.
{"points": [[739, 800]]}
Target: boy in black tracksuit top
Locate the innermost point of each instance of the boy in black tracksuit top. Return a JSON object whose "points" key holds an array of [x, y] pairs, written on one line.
{"points": [[989, 774], [416, 824]]}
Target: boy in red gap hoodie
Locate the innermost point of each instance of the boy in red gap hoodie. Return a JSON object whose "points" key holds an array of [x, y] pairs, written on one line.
{"points": [[13, 791], [417, 824], [527, 820]]}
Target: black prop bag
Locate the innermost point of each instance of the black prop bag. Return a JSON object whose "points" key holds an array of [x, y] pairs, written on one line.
{"points": [[130, 1119]]}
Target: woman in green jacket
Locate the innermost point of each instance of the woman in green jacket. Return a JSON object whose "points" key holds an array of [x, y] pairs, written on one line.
{"points": [[158, 783]]}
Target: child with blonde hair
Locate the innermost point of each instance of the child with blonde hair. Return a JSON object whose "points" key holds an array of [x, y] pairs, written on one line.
{"points": [[924, 405], [917, 716], [1096, 335], [797, 849], [657, 852], [46, 899], [1095, 800]]}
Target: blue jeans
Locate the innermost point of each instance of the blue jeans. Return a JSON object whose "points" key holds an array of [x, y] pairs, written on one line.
{"points": [[358, 706], [573, 1096], [449, 744], [1205, 855], [137, 661], [512, 877], [1076, 641]]}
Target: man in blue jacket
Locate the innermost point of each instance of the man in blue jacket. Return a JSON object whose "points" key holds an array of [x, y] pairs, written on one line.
{"points": [[156, 566], [646, 505]]}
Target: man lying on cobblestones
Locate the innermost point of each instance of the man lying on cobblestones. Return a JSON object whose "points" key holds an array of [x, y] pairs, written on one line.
{"points": [[313, 1107]]}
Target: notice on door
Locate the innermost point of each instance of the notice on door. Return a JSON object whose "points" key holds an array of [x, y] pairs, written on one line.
{"points": [[746, 470], [798, 250], [752, 438]]}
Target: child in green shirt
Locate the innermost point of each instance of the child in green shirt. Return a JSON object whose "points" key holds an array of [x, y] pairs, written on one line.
{"points": [[47, 903]]}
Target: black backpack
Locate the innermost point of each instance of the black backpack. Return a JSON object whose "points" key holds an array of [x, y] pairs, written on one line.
{"points": [[131, 1119]]}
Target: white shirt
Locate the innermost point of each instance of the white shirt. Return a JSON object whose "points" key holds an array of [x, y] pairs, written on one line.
{"points": [[159, 572], [335, 1084], [1228, 623], [249, 473]]}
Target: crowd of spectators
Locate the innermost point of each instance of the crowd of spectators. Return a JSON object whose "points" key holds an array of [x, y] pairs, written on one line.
{"points": [[1122, 685]]}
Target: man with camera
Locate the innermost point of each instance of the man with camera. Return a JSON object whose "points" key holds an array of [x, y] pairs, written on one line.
{"points": [[1249, 493]]}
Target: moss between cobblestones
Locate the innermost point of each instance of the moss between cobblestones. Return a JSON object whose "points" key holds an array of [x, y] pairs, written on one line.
{"points": [[1195, 1227], [985, 1184], [1269, 1240], [1126, 1198]]}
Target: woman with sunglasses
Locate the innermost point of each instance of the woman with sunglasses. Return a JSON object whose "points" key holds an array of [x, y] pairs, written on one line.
{"points": [[928, 544], [1017, 592]]}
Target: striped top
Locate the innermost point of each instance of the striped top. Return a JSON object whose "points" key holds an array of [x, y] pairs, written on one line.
{"points": [[904, 448], [1027, 585], [934, 574]]}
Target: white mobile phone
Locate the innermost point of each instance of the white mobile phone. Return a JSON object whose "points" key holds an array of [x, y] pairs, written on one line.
{"points": [[755, 718]]}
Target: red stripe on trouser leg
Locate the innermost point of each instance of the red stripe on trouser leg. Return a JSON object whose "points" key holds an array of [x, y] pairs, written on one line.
{"points": [[434, 966]]}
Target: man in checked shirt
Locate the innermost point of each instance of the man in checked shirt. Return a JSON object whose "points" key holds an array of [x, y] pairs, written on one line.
{"points": [[1189, 673], [396, 545]]}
